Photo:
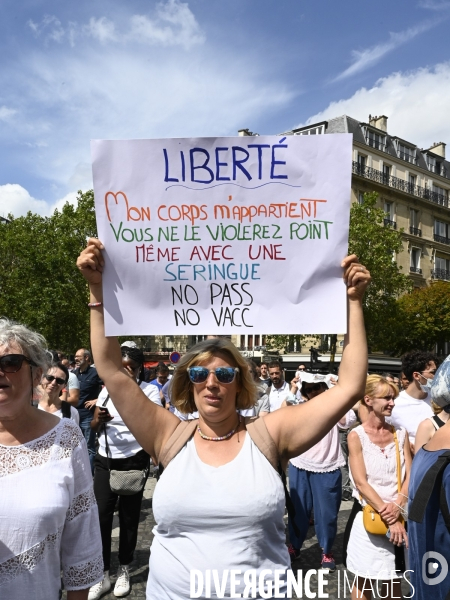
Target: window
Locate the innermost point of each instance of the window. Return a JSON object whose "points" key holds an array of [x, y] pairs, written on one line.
{"points": [[441, 231], [415, 260], [414, 222], [406, 153], [389, 210], [386, 174], [257, 340], [412, 182], [435, 165], [362, 162], [440, 195], [312, 131], [360, 197], [242, 344], [441, 268], [376, 140], [250, 342]]}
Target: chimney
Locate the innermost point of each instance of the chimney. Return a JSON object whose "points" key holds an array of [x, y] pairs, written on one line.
{"points": [[439, 149], [379, 122], [244, 132]]}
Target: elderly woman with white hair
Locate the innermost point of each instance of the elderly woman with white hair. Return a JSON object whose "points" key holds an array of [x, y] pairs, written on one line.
{"points": [[49, 518], [315, 479]]}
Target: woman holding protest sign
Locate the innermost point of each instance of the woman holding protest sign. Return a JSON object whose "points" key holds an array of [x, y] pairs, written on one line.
{"points": [[230, 512]]}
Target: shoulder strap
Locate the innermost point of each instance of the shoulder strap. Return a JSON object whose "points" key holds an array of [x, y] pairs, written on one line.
{"points": [[423, 493], [257, 430], [183, 432], [438, 422], [399, 465], [65, 409]]}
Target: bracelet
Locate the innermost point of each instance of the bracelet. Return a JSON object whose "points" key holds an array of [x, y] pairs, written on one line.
{"points": [[94, 304], [400, 494]]}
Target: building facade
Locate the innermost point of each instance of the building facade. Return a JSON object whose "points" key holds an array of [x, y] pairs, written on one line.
{"points": [[413, 186]]}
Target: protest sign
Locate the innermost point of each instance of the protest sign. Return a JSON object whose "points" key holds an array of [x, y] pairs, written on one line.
{"points": [[223, 235]]}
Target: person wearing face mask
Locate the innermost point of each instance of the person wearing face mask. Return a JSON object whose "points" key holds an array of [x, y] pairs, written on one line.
{"points": [[413, 404]]}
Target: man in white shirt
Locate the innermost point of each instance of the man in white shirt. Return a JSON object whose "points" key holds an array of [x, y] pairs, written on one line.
{"points": [[280, 390], [413, 405]]}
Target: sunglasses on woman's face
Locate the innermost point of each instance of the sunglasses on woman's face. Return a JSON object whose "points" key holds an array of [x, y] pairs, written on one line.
{"points": [[223, 374], [11, 363], [51, 378]]}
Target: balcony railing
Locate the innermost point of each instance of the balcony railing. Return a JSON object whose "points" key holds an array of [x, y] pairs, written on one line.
{"points": [[415, 231], [441, 239], [440, 274], [399, 184], [415, 270], [390, 223]]}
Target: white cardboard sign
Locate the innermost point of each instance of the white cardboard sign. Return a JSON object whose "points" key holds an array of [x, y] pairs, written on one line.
{"points": [[223, 235]]}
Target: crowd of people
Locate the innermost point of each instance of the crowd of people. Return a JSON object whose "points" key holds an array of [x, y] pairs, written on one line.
{"points": [[223, 432]]}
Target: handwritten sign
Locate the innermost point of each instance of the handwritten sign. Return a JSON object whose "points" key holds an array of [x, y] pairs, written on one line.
{"points": [[223, 235]]}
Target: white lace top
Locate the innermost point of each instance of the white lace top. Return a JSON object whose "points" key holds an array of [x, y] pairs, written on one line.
{"points": [[48, 517], [381, 465]]}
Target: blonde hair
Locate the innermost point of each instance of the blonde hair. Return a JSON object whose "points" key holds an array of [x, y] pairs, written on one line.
{"points": [[373, 383], [181, 388], [436, 408]]}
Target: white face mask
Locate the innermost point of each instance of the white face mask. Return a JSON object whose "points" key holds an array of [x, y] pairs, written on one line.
{"points": [[426, 387]]}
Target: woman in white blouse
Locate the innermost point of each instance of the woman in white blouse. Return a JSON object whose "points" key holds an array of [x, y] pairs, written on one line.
{"points": [[45, 484], [52, 384], [374, 473]]}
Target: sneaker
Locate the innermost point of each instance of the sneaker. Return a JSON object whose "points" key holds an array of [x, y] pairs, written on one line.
{"points": [[294, 553], [122, 587], [100, 588], [328, 562]]}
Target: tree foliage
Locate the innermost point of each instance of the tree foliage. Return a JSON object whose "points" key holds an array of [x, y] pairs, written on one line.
{"points": [[39, 282], [424, 318], [376, 246]]}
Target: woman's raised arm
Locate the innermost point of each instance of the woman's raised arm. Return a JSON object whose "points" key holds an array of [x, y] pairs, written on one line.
{"points": [[150, 425], [298, 428]]}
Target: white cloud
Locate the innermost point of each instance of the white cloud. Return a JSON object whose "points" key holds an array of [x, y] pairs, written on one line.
{"points": [[364, 59], [415, 102], [6, 113], [173, 24], [101, 29], [437, 5], [16, 200]]}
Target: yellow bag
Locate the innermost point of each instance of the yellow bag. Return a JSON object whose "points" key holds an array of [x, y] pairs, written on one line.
{"points": [[372, 521]]}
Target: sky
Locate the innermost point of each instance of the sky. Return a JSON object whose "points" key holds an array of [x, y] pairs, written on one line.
{"points": [[103, 69]]}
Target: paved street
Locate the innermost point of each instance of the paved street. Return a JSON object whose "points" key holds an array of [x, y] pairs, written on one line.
{"points": [[310, 556]]}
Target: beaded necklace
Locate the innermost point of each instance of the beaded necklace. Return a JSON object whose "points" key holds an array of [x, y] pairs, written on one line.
{"points": [[219, 438]]}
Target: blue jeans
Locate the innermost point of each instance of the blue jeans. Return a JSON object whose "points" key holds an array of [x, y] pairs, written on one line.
{"points": [[89, 436], [324, 492]]}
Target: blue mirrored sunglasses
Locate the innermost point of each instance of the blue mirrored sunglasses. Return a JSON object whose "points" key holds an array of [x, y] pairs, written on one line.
{"points": [[223, 374]]}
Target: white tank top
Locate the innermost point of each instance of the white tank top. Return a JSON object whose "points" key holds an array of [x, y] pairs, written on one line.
{"points": [[227, 517]]}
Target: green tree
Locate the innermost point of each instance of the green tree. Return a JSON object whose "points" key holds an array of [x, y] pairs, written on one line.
{"points": [[376, 247], [39, 282], [424, 318]]}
